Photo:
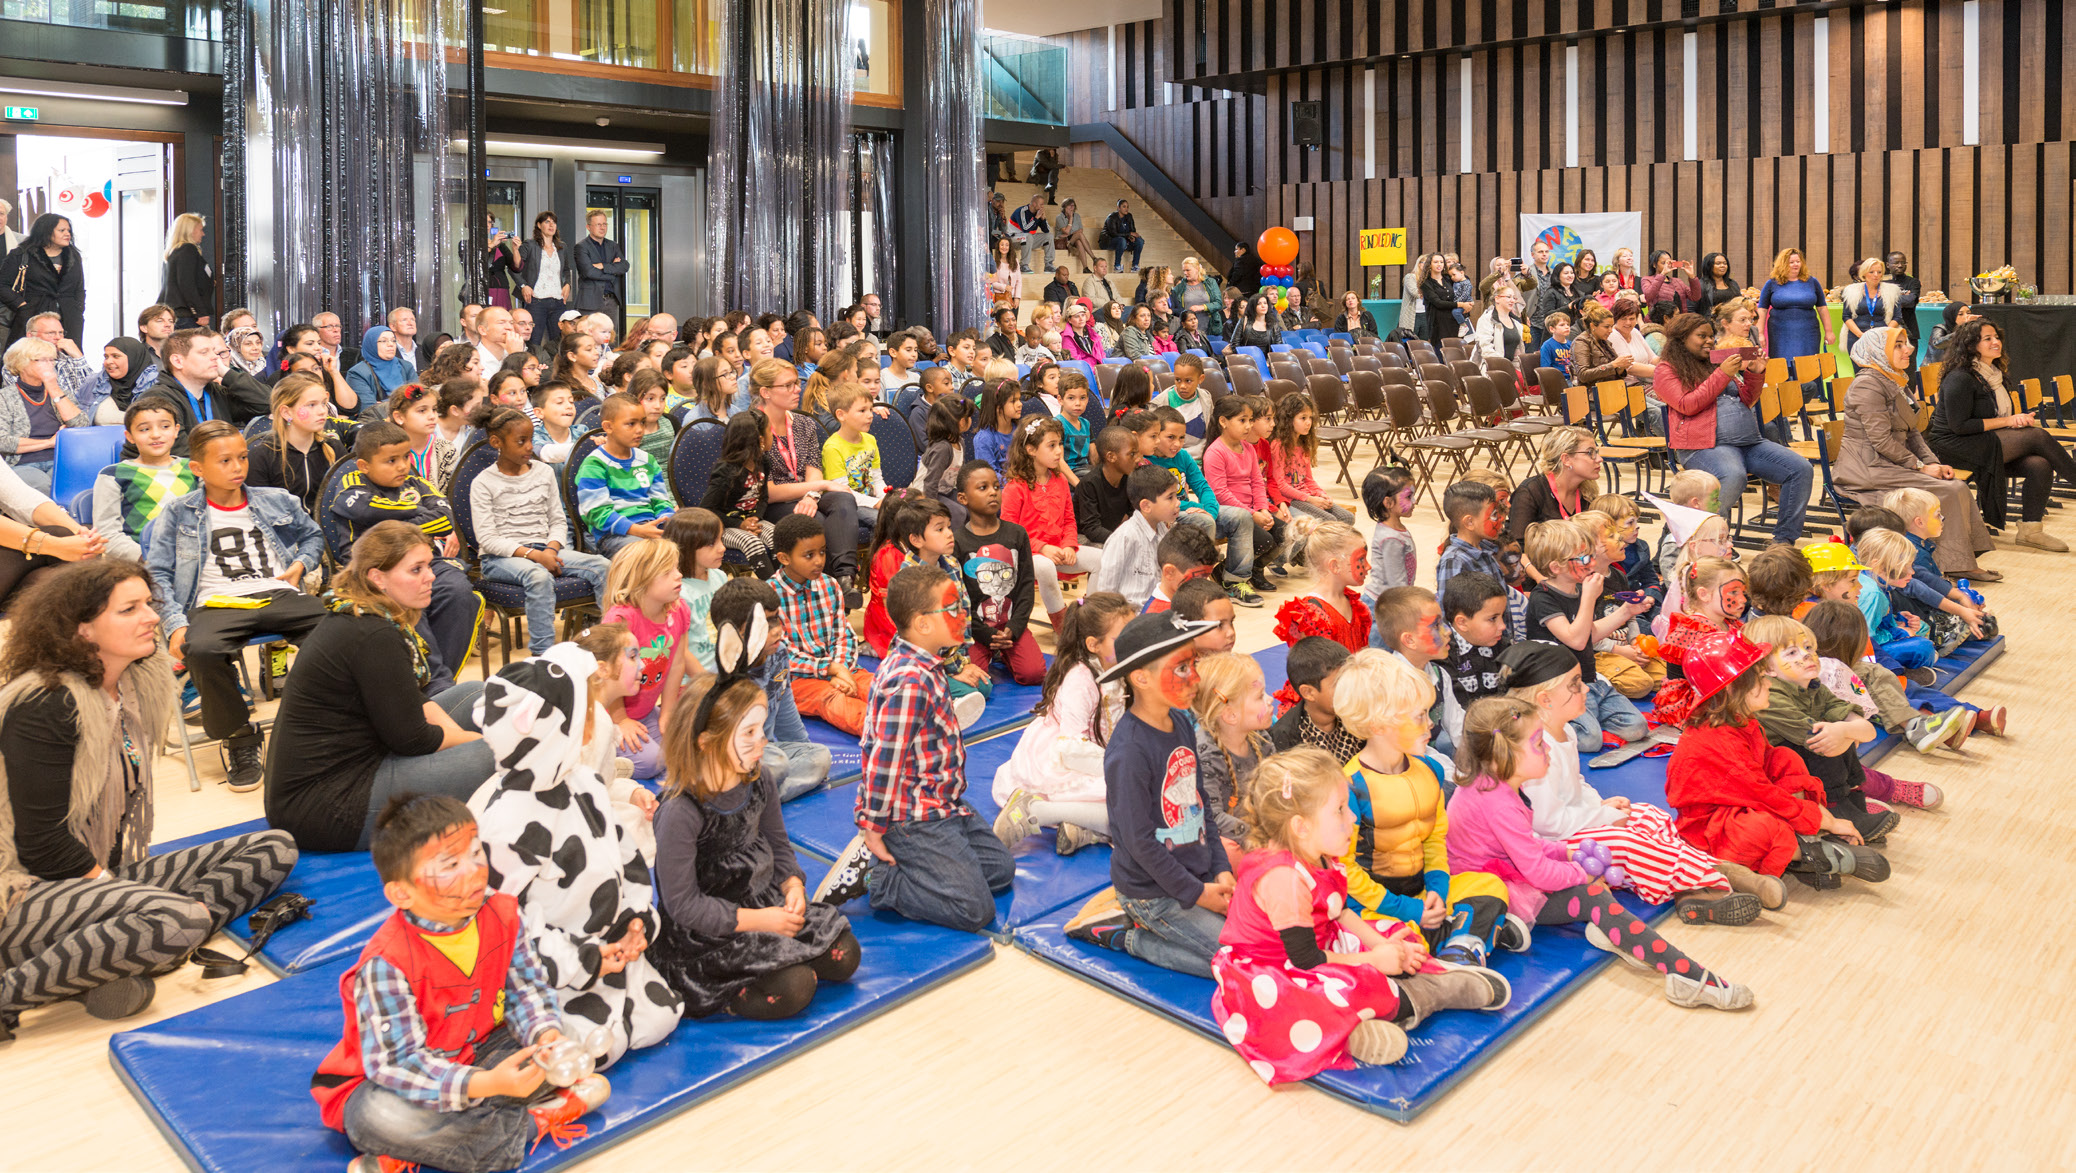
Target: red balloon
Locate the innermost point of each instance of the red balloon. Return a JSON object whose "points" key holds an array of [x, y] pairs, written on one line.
{"points": [[1277, 246]]}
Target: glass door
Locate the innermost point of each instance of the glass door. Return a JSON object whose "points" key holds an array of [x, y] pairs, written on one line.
{"points": [[633, 219], [507, 200]]}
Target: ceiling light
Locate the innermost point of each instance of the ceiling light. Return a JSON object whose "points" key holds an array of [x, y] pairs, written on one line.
{"points": [[533, 144], [92, 93]]}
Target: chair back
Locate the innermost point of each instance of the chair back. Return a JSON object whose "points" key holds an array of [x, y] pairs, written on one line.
{"points": [[1106, 378], [1402, 403], [1576, 405], [1483, 398], [1806, 369], [258, 426], [1929, 376], [1365, 362], [1434, 372], [1441, 404], [1502, 370], [1087, 369], [80, 456], [1248, 381], [1366, 393], [1550, 381], [1390, 375], [584, 446], [693, 456], [338, 542], [1286, 369], [1463, 369], [587, 419], [1278, 388], [1390, 358], [2029, 393], [1329, 395], [897, 448], [1215, 383], [1509, 394], [474, 460]]}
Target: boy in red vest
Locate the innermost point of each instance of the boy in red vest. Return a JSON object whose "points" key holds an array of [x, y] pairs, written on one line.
{"points": [[445, 1013]]}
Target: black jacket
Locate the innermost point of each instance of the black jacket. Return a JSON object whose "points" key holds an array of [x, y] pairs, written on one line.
{"points": [[1117, 226], [594, 286], [497, 263], [32, 283], [530, 253], [1099, 507], [1061, 292], [1956, 434], [1245, 275], [188, 285]]}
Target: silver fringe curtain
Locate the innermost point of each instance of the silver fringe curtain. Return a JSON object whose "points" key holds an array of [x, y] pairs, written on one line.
{"points": [[346, 159], [778, 177], [953, 193], [873, 201]]}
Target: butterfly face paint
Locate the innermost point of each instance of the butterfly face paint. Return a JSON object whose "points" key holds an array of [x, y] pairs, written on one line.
{"points": [[746, 743], [453, 875], [1178, 678], [952, 605], [1406, 497], [1432, 634]]}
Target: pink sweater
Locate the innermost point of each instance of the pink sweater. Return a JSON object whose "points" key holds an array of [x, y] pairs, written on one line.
{"points": [[1290, 474], [1235, 477], [1490, 831]]}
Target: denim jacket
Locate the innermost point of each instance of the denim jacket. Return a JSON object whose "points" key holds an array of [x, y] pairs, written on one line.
{"points": [[176, 566]]}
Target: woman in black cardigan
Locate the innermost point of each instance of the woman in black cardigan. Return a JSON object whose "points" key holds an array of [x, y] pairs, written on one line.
{"points": [[188, 286], [1438, 295], [45, 275], [1979, 426]]}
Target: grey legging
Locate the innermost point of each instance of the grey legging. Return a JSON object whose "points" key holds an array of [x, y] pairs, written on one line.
{"points": [[455, 771]]}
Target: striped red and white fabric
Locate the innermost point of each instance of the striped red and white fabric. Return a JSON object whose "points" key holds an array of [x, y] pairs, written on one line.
{"points": [[1661, 864]]}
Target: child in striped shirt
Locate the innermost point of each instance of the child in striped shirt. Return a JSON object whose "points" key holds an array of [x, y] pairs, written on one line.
{"points": [[621, 490]]}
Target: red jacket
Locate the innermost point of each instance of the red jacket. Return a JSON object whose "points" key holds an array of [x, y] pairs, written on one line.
{"points": [[879, 626], [1690, 412], [1717, 771], [458, 1008], [1047, 514]]}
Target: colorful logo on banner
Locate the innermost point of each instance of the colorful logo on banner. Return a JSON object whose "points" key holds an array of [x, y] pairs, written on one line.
{"points": [[1383, 246], [1564, 243]]}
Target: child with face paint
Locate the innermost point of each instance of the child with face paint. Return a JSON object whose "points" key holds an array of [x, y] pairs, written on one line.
{"points": [[1503, 750], [1823, 730], [1233, 712], [1475, 608], [1476, 520], [1715, 592], [738, 932], [1699, 535], [1630, 553], [1409, 625], [827, 681], [1340, 564], [1564, 608], [643, 590], [1691, 489], [796, 765], [1055, 777], [1388, 495], [1169, 869], [445, 1012], [1397, 862], [571, 841], [920, 851]]}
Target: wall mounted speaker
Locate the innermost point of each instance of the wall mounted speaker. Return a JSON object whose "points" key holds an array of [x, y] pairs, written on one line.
{"points": [[1308, 124]]}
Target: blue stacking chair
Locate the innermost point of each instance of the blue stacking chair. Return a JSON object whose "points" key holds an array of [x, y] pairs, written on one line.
{"points": [[1087, 371], [899, 457], [80, 456], [1261, 361], [588, 418], [1340, 336], [337, 543], [1168, 357], [1116, 360], [584, 446], [1278, 347], [507, 600], [258, 426]]}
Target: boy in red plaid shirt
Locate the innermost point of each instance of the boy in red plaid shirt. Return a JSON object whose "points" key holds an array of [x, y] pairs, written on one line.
{"points": [[920, 850]]}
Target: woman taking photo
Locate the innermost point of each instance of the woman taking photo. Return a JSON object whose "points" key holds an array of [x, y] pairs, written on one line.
{"points": [[1881, 451], [545, 266], [1351, 319], [382, 368], [1792, 312], [1672, 288], [1438, 295], [1978, 426], [86, 911], [33, 410], [188, 285], [45, 276], [1711, 425], [355, 728], [1560, 293], [793, 466]]}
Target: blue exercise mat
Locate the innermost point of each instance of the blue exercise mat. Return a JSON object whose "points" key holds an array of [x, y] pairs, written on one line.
{"points": [[346, 903], [1009, 707], [229, 1084], [1443, 1051]]}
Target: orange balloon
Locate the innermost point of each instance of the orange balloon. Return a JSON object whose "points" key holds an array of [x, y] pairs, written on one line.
{"points": [[1647, 644], [1277, 246]]}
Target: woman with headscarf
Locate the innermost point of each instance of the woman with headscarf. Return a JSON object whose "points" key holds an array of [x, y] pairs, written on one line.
{"points": [[45, 275], [249, 351], [108, 392], [381, 369], [1882, 451]]}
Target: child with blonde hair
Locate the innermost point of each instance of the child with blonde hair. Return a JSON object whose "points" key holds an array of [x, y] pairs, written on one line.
{"points": [[1305, 984], [1629, 551], [1690, 488], [1923, 522], [1900, 637], [1566, 608], [644, 590], [1340, 564], [1397, 856], [1700, 536], [1233, 716], [1502, 750], [1627, 668], [1824, 730], [1713, 595]]}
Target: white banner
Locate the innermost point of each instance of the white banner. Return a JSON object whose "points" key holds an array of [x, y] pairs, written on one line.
{"points": [[1568, 232]]}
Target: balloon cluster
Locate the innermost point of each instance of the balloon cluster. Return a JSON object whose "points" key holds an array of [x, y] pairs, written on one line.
{"points": [[1278, 249], [567, 1060]]}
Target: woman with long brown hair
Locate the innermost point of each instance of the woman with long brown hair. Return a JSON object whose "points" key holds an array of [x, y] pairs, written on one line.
{"points": [[1712, 427]]}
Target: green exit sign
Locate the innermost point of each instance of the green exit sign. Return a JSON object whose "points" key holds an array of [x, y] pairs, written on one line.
{"points": [[22, 113]]}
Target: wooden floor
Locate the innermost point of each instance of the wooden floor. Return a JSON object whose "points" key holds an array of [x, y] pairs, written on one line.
{"points": [[1921, 1023]]}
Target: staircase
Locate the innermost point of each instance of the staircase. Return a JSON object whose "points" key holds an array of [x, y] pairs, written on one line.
{"points": [[1095, 193]]}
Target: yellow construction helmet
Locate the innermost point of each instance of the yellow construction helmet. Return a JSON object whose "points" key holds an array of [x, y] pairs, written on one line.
{"points": [[1825, 556]]}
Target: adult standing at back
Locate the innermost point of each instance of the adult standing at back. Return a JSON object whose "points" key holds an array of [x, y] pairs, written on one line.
{"points": [[1199, 291], [497, 263], [1792, 312], [45, 275], [1717, 285], [86, 910], [10, 240], [1672, 288], [1412, 312], [1438, 299], [546, 268], [1121, 236], [1910, 288], [601, 273], [1870, 302], [188, 285]]}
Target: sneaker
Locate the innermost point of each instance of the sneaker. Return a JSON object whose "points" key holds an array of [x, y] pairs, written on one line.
{"points": [[1707, 990], [846, 879], [1990, 720], [1242, 594], [373, 1163], [1375, 1042], [1868, 864], [1463, 988], [1260, 581], [1514, 934], [555, 1119], [121, 998], [1280, 570], [968, 709], [1922, 795], [1923, 676], [190, 702], [1073, 838], [1016, 822], [277, 661], [1769, 889], [1928, 733], [1716, 906], [1462, 949], [1101, 922], [245, 772]]}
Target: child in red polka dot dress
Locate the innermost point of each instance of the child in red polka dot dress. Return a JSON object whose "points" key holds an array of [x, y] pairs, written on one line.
{"points": [[1490, 831], [1304, 983]]}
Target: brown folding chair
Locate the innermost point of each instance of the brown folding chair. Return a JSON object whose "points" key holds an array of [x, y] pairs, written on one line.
{"points": [[1330, 397], [1278, 388], [1246, 380], [1429, 451], [1368, 412]]}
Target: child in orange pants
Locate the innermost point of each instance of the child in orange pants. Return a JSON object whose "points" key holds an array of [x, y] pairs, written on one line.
{"points": [[827, 681]]}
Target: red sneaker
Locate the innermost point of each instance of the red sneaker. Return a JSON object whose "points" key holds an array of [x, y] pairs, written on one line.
{"points": [[555, 1118], [373, 1163], [1990, 720]]}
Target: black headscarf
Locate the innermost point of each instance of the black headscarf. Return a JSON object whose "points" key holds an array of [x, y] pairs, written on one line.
{"points": [[121, 390]]}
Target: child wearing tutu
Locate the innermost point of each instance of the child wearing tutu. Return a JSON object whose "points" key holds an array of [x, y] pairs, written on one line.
{"points": [[738, 933], [1304, 983], [1489, 830], [1055, 776]]}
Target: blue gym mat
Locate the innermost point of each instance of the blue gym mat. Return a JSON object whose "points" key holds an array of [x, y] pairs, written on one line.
{"points": [[1046, 881], [346, 903], [1444, 1050], [264, 1045], [1009, 707]]}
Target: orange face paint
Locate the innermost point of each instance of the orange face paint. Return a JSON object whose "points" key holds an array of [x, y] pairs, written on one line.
{"points": [[1177, 682]]}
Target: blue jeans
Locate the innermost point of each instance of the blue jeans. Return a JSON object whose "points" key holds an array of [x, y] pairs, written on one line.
{"points": [[1607, 710], [1235, 525], [455, 771], [1171, 934], [945, 872], [539, 585], [494, 1134], [1901, 655], [609, 544], [1768, 462], [795, 768], [1123, 246]]}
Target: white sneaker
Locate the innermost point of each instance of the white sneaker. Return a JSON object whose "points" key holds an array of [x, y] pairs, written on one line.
{"points": [[968, 709], [846, 879], [1708, 990], [1016, 822]]}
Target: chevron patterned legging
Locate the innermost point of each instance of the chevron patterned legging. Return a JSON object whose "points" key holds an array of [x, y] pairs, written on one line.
{"points": [[65, 937]]}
